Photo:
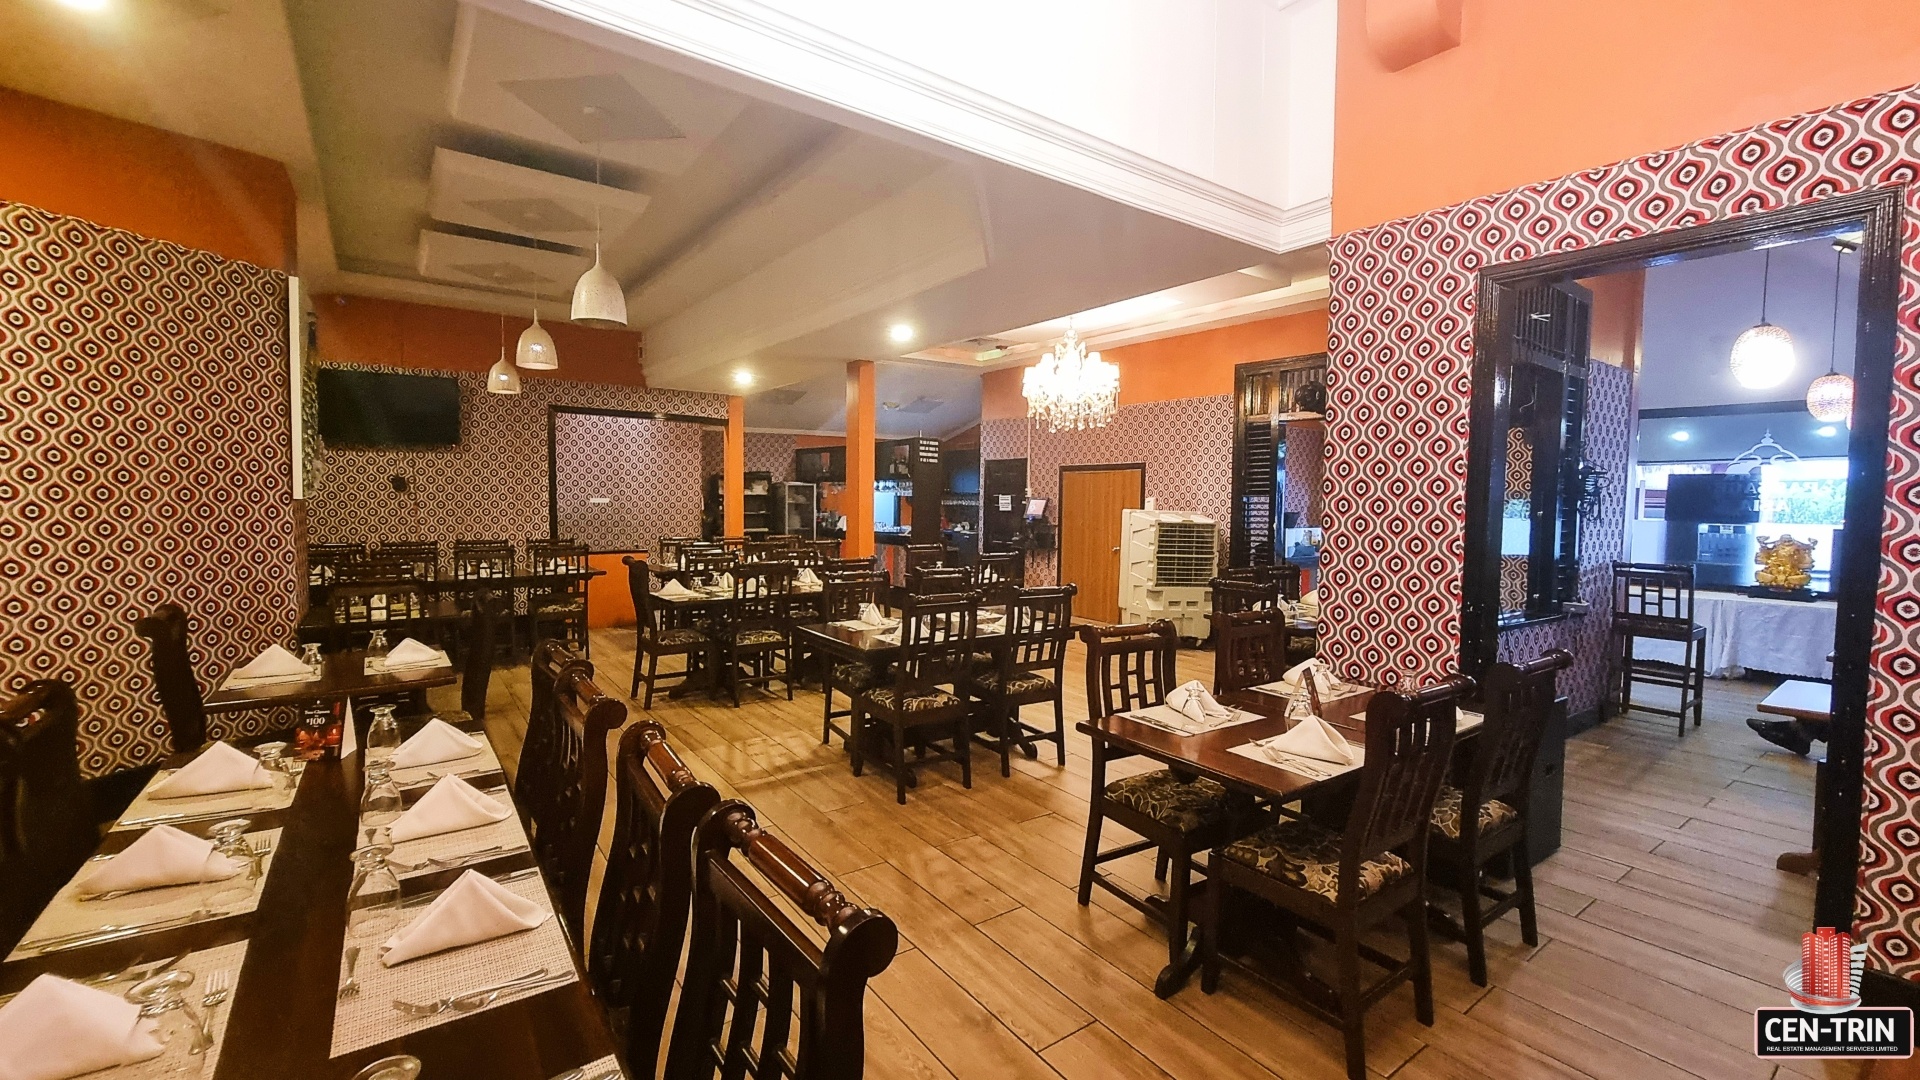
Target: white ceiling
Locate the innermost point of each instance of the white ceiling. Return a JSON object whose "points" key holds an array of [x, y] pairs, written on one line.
{"points": [[914, 399], [1695, 310], [444, 154]]}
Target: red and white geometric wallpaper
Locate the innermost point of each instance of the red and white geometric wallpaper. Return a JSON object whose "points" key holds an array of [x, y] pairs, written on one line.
{"points": [[143, 401], [647, 472], [1401, 348]]}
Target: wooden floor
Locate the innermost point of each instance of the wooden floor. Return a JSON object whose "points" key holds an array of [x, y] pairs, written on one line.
{"points": [[1663, 922]]}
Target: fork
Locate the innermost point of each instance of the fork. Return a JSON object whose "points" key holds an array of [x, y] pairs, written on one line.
{"points": [[219, 984], [446, 862], [449, 1003], [352, 985]]}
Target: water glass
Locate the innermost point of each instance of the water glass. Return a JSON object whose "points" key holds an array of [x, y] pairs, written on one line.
{"points": [[310, 656], [383, 736], [377, 645], [374, 899], [380, 803]]}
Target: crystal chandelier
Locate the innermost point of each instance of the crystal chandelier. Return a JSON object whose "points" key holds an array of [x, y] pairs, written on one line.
{"points": [[1072, 389]]}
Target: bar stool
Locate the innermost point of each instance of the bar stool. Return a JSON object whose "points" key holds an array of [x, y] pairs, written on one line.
{"points": [[1655, 601]]}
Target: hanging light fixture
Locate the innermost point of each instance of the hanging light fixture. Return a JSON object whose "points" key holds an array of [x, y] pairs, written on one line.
{"points": [[1070, 388], [1830, 397], [597, 297], [503, 377], [1763, 355], [535, 351]]}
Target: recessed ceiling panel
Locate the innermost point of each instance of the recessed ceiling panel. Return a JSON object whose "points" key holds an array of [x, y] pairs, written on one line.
{"points": [[489, 264], [493, 195], [521, 80]]}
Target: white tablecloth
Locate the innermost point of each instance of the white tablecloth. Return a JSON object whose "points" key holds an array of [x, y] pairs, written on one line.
{"points": [[1783, 636]]}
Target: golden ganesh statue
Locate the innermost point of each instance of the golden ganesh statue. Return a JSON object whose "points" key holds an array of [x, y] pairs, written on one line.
{"points": [[1784, 563]]}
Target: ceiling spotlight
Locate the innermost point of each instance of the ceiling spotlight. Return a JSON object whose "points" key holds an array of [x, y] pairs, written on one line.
{"points": [[1680, 436], [900, 332], [743, 377], [1826, 431]]}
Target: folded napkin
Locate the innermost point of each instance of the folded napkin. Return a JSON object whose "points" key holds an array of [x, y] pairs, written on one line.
{"points": [[219, 768], [273, 663], [725, 584], [437, 741], [872, 615], [56, 1028], [451, 805], [1192, 701], [673, 589], [410, 653], [164, 856], [473, 909], [1308, 606], [806, 576], [1315, 738]]}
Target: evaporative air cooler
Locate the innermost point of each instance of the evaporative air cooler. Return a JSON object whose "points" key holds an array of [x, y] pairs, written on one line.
{"points": [[1167, 560]]}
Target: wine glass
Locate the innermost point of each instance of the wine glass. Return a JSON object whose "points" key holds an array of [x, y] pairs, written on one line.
{"points": [[380, 804], [375, 896], [310, 656], [377, 645], [383, 736]]}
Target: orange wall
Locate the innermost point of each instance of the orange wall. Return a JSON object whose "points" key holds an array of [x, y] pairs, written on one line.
{"points": [[1538, 89], [609, 597], [145, 180], [1190, 365], [1619, 309], [362, 330]]}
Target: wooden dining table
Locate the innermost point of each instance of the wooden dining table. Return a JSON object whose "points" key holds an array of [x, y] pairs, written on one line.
{"points": [[282, 1009], [345, 676]]}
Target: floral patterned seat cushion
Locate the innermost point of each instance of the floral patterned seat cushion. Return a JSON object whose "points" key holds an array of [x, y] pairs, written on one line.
{"points": [[757, 637], [1307, 856], [1022, 682], [852, 675], [1185, 805], [561, 607], [888, 697], [1446, 814], [678, 636]]}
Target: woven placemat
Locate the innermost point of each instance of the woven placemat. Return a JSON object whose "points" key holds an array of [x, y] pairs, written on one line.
{"points": [[607, 1068], [66, 913], [225, 804], [505, 833], [369, 1018], [176, 1062], [480, 763]]}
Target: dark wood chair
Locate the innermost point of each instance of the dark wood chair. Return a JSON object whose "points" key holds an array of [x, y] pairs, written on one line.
{"points": [[482, 559], [752, 642], [401, 608], [1484, 818], [828, 550], [46, 820], [999, 575], [173, 678], [1249, 648], [559, 608], [939, 580], [1231, 595], [925, 699], [842, 596], [476, 659], [836, 565], [1655, 601], [422, 557], [324, 562], [668, 549], [734, 544], [640, 923], [564, 818], [659, 634], [537, 771], [752, 971], [1347, 880], [706, 561], [1027, 667], [924, 557], [771, 548], [1286, 575], [1131, 667]]}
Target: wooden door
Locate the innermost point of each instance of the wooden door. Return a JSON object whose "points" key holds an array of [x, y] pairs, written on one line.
{"points": [[1091, 500]]}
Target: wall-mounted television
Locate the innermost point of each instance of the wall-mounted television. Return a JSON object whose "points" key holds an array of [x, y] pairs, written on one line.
{"points": [[381, 409]]}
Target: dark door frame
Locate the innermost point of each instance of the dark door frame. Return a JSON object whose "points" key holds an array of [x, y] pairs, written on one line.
{"points": [[1059, 492], [1878, 213], [1242, 374], [553, 454]]}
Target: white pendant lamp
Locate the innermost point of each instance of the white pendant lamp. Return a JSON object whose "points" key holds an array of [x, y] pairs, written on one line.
{"points": [[1830, 397], [598, 299], [1762, 356], [535, 351], [503, 377]]}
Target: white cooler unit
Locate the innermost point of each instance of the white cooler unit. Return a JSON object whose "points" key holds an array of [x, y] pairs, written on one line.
{"points": [[1167, 560]]}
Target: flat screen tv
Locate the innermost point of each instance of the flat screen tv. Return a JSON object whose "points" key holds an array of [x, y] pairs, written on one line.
{"points": [[379, 409]]}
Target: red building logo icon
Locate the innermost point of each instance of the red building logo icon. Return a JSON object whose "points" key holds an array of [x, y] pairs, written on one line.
{"points": [[1826, 978]]}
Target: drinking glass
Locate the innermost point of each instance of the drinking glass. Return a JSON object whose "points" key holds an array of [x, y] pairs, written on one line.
{"points": [[374, 900], [380, 804], [383, 736], [377, 645], [230, 839], [310, 656], [272, 758]]}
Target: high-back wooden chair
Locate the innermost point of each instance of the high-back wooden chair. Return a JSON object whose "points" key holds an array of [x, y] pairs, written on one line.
{"points": [[756, 982], [1485, 817], [1349, 879], [1655, 600], [1249, 648], [46, 823], [559, 608], [752, 641], [565, 818], [925, 699], [1028, 668], [660, 633], [936, 580], [537, 772], [640, 923], [1231, 595], [324, 562], [173, 680], [482, 559], [842, 596], [1128, 668], [421, 557]]}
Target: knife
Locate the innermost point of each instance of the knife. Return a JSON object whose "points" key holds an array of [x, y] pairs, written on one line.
{"points": [[100, 934]]}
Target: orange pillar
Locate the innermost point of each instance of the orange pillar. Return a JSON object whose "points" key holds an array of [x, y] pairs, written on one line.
{"points": [[858, 501], [733, 469]]}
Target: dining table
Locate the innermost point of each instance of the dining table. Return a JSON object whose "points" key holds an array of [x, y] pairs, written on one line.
{"points": [[346, 675], [282, 954]]}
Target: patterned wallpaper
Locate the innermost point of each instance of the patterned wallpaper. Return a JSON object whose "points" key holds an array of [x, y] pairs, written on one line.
{"points": [[1306, 473], [143, 396], [1186, 443], [770, 453], [493, 486], [1401, 341], [648, 470], [1603, 538]]}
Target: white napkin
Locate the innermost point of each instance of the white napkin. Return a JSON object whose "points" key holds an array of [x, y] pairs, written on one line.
{"points": [[410, 653], [219, 768], [56, 1028], [272, 663], [1192, 701], [473, 909], [451, 805], [725, 584], [164, 856], [675, 590], [437, 741], [1315, 738], [872, 615], [806, 576], [1308, 606]]}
